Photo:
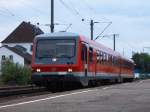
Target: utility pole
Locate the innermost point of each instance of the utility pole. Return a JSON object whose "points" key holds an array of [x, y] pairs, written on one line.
{"points": [[92, 22], [92, 29], [114, 39], [52, 16], [114, 36]]}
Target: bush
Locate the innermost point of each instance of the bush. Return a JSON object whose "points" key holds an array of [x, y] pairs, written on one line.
{"points": [[15, 74], [145, 76]]}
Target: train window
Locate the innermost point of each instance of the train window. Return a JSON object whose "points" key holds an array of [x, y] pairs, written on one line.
{"points": [[101, 57], [117, 62], [56, 48], [91, 54], [97, 56], [113, 60], [84, 53], [124, 64], [110, 59], [31, 47], [128, 65], [104, 58]]}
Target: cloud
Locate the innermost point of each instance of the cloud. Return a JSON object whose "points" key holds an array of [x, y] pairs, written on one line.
{"points": [[13, 3], [121, 7], [130, 18]]}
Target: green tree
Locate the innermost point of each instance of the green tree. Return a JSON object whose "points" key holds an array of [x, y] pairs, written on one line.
{"points": [[142, 61]]}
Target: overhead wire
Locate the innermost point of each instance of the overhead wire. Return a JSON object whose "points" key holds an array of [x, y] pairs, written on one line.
{"points": [[88, 6], [72, 10], [7, 12], [33, 8], [92, 9], [103, 30], [103, 20]]}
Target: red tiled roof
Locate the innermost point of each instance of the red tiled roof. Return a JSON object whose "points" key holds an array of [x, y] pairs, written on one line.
{"points": [[24, 33]]}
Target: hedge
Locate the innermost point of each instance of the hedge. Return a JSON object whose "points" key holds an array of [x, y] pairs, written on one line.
{"points": [[15, 74]]}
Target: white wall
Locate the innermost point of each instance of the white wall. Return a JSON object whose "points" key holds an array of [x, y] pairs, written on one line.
{"points": [[25, 45], [16, 58]]}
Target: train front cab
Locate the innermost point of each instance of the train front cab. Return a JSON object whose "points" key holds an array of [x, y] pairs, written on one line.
{"points": [[49, 66]]}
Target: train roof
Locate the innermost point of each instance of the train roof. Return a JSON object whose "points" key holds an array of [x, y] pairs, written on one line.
{"points": [[106, 49], [93, 43], [101, 46], [59, 34]]}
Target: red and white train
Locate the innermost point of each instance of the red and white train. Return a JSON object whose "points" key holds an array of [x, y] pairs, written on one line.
{"points": [[70, 57]]}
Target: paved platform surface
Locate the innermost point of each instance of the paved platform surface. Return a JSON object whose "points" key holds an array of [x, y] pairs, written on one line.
{"points": [[127, 97]]}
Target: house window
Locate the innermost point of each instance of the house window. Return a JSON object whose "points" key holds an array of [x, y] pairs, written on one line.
{"points": [[11, 57], [3, 57], [31, 47]]}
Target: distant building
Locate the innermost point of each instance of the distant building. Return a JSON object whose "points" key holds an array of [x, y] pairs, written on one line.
{"points": [[18, 45]]}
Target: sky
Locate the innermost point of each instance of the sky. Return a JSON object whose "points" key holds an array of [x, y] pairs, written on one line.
{"points": [[130, 20]]}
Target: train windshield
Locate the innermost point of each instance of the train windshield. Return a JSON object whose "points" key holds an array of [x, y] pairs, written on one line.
{"points": [[55, 48]]}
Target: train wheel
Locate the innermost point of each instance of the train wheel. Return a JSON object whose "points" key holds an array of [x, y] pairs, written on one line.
{"points": [[84, 82], [131, 80], [38, 84], [53, 87], [93, 83], [120, 80]]}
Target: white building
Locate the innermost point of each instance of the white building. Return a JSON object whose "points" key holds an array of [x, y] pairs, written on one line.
{"points": [[17, 47]]}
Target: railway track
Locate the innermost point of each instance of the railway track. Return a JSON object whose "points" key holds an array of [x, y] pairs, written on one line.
{"points": [[34, 90], [18, 90]]}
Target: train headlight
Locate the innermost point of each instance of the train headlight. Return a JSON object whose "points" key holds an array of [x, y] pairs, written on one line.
{"points": [[38, 70], [69, 70]]}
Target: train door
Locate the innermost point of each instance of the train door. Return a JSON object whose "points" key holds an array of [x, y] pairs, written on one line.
{"points": [[84, 56], [97, 62], [120, 71], [91, 62]]}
